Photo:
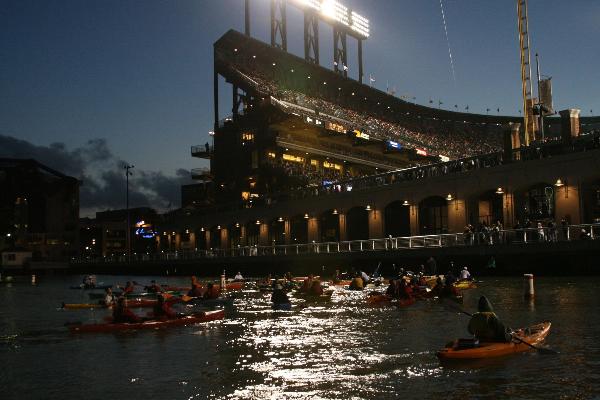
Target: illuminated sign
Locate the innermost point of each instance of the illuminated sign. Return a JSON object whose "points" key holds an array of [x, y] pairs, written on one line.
{"points": [[314, 121], [361, 135], [289, 157], [421, 152], [333, 10], [327, 164], [394, 145], [332, 126]]}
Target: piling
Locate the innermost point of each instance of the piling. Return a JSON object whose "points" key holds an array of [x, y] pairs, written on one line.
{"points": [[529, 288]]}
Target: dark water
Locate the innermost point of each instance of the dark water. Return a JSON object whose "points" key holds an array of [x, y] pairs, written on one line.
{"points": [[338, 350]]}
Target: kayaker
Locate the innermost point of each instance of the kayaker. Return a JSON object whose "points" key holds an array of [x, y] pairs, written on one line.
{"points": [[89, 282], [316, 289], [392, 290], [162, 309], [122, 314], [153, 287], [465, 275], [212, 292], [365, 277], [485, 324], [357, 283], [279, 296], [438, 289], [404, 291], [449, 278], [307, 284], [196, 288], [109, 297]]}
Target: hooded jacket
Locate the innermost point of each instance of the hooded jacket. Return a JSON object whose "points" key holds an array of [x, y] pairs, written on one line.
{"points": [[486, 325]]}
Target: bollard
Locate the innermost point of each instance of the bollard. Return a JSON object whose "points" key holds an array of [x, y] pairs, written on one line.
{"points": [[223, 282], [529, 290]]}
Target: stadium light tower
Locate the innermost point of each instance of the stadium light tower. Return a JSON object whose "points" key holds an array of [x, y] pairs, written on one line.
{"points": [[343, 20], [127, 167]]}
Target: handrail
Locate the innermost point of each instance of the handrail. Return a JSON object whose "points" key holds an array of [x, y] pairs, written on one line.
{"points": [[523, 236]]}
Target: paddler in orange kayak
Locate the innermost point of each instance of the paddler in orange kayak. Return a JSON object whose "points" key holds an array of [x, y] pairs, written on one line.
{"points": [[109, 297], [153, 287], [163, 309], [212, 292], [485, 324], [196, 290], [127, 289], [123, 314]]}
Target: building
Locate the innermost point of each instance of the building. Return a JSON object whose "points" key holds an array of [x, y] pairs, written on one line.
{"points": [[39, 210], [106, 235]]}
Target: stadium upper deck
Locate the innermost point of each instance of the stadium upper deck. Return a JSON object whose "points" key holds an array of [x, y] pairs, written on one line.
{"points": [[262, 70]]}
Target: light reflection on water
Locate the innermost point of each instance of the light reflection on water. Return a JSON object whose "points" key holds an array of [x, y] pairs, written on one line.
{"points": [[342, 349]]}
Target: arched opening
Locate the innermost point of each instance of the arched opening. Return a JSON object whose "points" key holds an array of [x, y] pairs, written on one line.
{"points": [[433, 216], [330, 226], [277, 231], [535, 203], [252, 233], [591, 202], [215, 237], [490, 208], [201, 240], [357, 223], [298, 229], [235, 235], [397, 219]]}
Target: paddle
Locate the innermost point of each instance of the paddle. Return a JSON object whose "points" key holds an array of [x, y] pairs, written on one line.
{"points": [[541, 350]]}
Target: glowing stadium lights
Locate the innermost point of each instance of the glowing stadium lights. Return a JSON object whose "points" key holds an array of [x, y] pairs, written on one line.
{"points": [[333, 10]]}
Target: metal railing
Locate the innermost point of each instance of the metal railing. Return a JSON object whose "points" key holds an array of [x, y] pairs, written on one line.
{"points": [[524, 236]]}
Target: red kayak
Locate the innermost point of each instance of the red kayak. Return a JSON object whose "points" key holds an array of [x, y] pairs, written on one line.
{"points": [[153, 324]]}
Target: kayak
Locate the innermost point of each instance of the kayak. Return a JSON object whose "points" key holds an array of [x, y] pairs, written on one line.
{"points": [[82, 286], [152, 324], [458, 351], [199, 301], [282, 306], [326, 296], [463, 285], [379, 299], [135, 294], [130, 304], [406, 302]]}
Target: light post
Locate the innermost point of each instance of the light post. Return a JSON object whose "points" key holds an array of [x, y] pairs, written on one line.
{"points": [[127, 167]]}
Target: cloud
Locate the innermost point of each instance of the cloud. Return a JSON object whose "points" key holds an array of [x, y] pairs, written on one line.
{"points": [[106, 189]]}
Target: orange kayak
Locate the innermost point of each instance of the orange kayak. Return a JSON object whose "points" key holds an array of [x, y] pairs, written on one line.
{"points": [[532, 335], [130, 303], [379, 299], [152, 324], [464, 285]]}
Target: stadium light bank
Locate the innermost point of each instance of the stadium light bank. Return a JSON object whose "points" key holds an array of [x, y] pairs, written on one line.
{"points": [[334, 10]]}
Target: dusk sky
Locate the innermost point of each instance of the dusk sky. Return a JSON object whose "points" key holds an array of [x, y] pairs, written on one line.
{"points": [[136, 76]]}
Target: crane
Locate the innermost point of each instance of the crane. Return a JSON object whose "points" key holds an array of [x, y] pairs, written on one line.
{"points": [[529, 121]]}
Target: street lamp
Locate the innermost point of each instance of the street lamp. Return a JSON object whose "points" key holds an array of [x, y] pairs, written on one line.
{"points": [[127, 167]]}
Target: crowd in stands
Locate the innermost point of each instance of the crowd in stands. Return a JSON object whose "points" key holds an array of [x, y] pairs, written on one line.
{"points": [[453, 139]]}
